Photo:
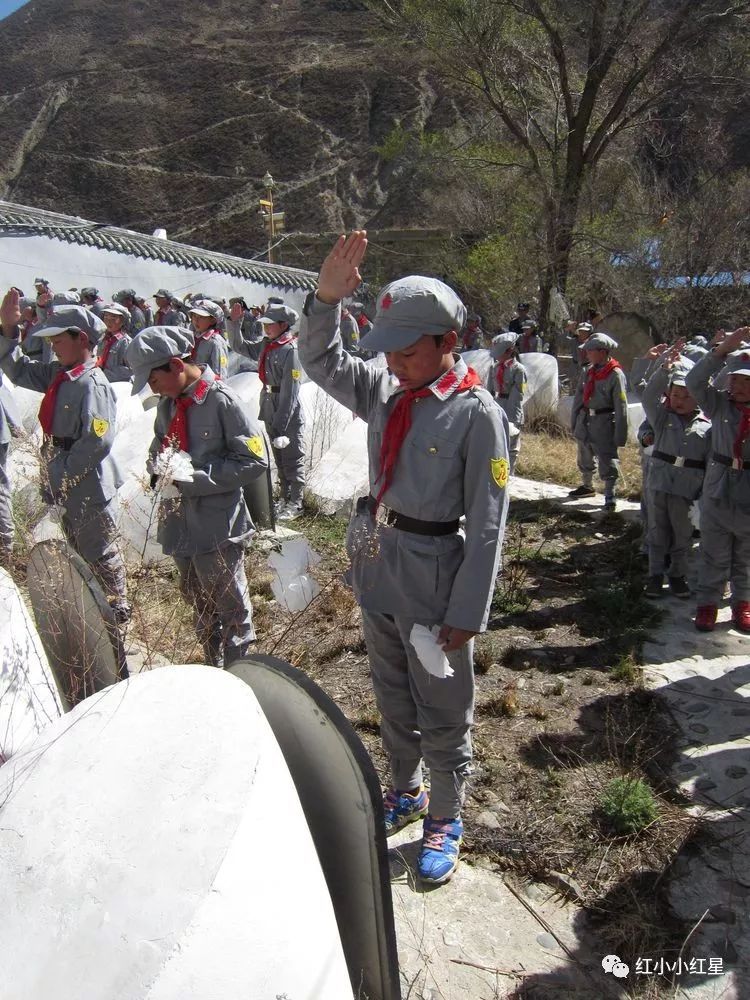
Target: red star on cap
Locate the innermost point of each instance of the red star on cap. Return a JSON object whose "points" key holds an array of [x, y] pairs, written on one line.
{"points": [[386, 302]]}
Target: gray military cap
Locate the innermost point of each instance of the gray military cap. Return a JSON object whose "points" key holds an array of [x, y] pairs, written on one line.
{"points": [[64, 318], [699, 340], [279, 314], [410, 308], [66, 299], [155, 346], [599, 342], [694, 352], [124, 293], [502, 342], [584, 328], [163, 293], [205, 307], [117, 310], [90, 290], [678, 374], [41, 281], [738, 363], [528, 324]]}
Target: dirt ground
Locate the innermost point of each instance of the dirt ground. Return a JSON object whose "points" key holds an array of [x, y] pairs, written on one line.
{"points": [[560, 711]]}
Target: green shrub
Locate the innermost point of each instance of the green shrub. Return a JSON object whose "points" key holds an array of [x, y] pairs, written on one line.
{"points": [[629, 805]]}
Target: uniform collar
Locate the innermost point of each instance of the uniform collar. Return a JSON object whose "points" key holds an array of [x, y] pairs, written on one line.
{"points": [[213, 332], [447, 384], [199, 389], [285, 338], [75, 373]]}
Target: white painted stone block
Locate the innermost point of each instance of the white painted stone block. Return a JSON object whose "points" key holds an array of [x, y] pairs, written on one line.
{"points": [[154, 848]]}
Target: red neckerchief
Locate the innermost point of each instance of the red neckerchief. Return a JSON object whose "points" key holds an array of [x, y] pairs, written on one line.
{"points": [[743, 432], [271, 346], [502, 368], [47, 409], [594, 376], [177, 432], [399, 424], [110, 339]]}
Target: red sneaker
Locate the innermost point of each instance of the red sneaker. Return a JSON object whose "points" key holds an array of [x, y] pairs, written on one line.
{"points": [[741, 615], [705, 617]]}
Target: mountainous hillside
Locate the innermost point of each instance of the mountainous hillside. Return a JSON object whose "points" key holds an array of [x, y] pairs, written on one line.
{"points": [[150, 115]]}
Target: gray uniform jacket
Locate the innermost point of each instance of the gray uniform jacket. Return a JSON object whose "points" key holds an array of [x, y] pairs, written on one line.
{"points": [[680, 437], [5, 432], [116, 369], [722, 483], [510, 395], [211, 349], [246, 336], [170, 317], [350, 333], [281, 411], [137, 320], [604, 432], [81, 469], [227, 452], [453, 463]]}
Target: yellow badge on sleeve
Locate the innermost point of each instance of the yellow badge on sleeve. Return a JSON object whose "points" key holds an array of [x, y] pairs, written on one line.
{"points": [[296, 374], [99, 426], [500, 470], [255, 445]]}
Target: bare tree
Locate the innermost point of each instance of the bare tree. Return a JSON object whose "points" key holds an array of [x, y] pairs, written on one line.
{"points": [[568, 80]]}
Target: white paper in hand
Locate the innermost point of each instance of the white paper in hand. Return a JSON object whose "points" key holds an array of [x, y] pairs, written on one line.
{"points": [[174, 466], [280, 442], [429, 651]]}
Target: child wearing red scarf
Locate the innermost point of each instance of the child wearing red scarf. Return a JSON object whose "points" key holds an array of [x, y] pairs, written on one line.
{"points": [[438, 452], [508, 383], [725, 506], [599, 419]]}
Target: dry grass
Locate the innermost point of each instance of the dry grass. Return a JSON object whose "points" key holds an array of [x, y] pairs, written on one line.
{"points": [[552, 458]]}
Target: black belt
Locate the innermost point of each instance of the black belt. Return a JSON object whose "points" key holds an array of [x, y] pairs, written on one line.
{"points": [[603, 409], [65, 443], [273, 388], [736, 463], [679, 461], [404, 523]]}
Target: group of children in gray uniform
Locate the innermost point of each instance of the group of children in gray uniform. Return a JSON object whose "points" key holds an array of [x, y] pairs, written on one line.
{"points": [[441, 448]]}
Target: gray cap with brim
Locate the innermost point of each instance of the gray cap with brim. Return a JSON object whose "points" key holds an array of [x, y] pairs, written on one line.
{"points": [[206, 307], [599, 342], [678, 375], [279, 314], [502, 342], [738, 363], [64, 318], [156, 346], [411, 308]]}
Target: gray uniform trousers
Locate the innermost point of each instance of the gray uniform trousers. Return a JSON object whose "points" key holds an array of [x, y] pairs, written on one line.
{"points": [[670, 530], [216, 585], [724, 552], [424, 717], [290, 461], [93, 534], [6, 509], [608, 462]]}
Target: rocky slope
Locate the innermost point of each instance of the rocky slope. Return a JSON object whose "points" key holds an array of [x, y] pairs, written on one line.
{"points": [[150, 115]]}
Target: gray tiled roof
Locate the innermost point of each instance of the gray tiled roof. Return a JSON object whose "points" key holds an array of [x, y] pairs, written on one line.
{"points": [[22, 220]]}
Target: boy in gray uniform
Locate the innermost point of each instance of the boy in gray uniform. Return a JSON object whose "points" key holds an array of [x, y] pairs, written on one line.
{"points": [[77, 415], [437, 449], [209, 348], [508, 386], [112, 348], [577, 362], [682, 438], [205, 523], [166, 314], [280, 408], [725, 507], [127, 297], [244, 329], [599, 419]]}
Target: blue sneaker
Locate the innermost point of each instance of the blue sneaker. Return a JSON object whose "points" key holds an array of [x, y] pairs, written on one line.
{"points": [[401, 808], [438, 858]]}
